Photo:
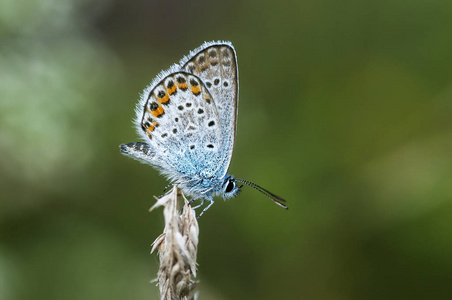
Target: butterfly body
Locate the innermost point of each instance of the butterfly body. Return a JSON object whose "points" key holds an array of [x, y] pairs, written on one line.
{"points": [[187, 118]]}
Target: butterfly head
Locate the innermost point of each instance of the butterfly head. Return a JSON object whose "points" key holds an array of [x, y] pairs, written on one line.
{"points": [[230, 188]]}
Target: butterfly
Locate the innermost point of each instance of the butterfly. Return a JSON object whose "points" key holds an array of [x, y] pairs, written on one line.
{"points": [[187, 118]]}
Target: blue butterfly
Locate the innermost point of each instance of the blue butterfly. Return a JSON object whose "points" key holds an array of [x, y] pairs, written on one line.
{"points": [[187, 117]]}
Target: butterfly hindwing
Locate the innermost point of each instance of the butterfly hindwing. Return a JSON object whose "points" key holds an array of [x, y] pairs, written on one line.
{"points": [[216, 64], [179, 120]]}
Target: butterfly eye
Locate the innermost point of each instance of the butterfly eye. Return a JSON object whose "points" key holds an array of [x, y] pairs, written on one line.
{"points": [[230, 186]]}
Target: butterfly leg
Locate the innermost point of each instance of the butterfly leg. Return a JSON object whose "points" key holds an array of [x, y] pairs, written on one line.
{"points": [[208, 206], [167, 187], [197, 206]]}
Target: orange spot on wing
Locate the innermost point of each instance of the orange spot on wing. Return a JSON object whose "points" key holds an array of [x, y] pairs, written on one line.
{"points": [[164, 99], [195, 90], [159, 111], [152, 127], [182, 86], [171, 90]]}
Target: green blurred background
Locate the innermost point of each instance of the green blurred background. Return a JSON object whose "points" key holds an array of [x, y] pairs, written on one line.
{"points": [[345, 110]]}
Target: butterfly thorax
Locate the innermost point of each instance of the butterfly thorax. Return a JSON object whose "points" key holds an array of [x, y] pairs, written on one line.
{"points": [[207, 187]]}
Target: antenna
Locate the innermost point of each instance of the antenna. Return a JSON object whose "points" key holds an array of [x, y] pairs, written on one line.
{"points": [[278, 200]]}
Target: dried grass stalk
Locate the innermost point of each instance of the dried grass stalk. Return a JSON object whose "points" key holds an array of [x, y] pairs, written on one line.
{"points": [[177, 245]]}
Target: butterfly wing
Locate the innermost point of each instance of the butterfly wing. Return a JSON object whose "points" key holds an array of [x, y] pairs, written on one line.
{"points": [[216, 64], [180, 124]]}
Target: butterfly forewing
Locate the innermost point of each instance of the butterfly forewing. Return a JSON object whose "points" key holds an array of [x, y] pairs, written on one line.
{"points": [[180, 121], [216, 65]]}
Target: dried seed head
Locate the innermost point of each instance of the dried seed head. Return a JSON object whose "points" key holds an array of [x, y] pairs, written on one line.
{"points": [[177, 245]]}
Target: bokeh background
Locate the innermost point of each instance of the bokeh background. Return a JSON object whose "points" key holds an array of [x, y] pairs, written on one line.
{"points": [[345, 110]]}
